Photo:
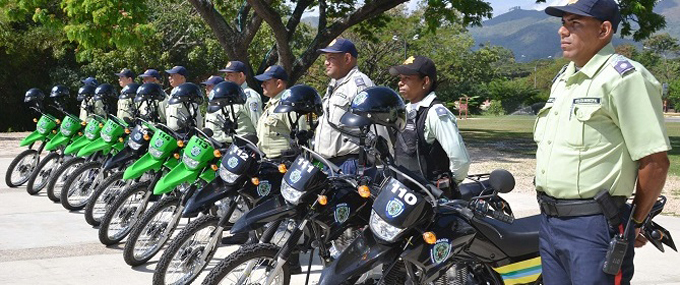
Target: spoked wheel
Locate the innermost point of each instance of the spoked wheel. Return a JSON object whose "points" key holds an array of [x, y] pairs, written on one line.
{"points": [[60, 176], [123, 214], [21, 168], [251, 264], [80, 186], [41, 175], [152, 232], [103, 197]]}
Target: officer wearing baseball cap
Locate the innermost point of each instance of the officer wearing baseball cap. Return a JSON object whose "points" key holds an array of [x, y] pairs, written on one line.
{"points": [[273, 129], [431, 129], [333, 140], [153, 76], [125, 104], [600, 136], [235, 71], [245, 126], [178, 76]]}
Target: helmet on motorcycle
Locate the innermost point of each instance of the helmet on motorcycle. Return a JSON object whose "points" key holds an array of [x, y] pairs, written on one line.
{"points": [[186, 93], [59, 91], [34, 95], [301, 99], [149, 91], [105, 90], [224, 94], [129, 91], [376, 105], [85, 92]]}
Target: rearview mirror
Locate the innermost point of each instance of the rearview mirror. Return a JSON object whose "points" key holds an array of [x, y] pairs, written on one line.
{"points": [[502, 181]]}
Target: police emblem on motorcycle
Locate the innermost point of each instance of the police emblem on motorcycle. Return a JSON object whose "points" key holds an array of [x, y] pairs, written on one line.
{"points": [[66, 125], [341, 213], [195, 151], [233, 162], [440, 251], [264, 188], [90, 128], [108, 129], [158, 143], [360, 98], [295, 176], [138, 137], [394, 208]]}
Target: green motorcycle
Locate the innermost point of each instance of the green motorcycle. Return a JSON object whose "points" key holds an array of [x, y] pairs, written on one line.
{"points": [[21, 168]]}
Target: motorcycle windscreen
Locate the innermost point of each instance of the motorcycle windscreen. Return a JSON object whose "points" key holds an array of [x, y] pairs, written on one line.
{"points": [[178, 175], [235, 164], [97, 145], [143, 164], [303, 175], [400, 206], [272, 209]]}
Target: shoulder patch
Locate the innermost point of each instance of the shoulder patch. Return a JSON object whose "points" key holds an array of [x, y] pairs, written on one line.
{"points": [[359, 81], [564, 68], [622, 65], [254, 106], [441, 111]]}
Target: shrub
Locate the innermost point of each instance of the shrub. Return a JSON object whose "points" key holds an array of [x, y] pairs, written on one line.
{"points": [[495, 109]]}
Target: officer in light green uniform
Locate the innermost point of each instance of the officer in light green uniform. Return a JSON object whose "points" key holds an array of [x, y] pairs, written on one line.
{"points": [[153, 76], [212, 121], [125, 105], [178, 76], [600, 135], [235, 71], [273, 129]]}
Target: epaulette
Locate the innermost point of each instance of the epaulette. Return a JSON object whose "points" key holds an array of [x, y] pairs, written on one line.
{"points": [[622, 65], [359, 81], [442, 111], [564, 68]]}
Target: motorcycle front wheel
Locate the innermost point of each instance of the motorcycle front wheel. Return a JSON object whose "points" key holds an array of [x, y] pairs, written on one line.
{"points": [[103, 197], [251, 264], [60, 176], [152, 231], [21, 168], [41, 175], [123, 214], [80, 186]]}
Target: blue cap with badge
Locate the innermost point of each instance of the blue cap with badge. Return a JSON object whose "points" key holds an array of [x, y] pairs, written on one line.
{"points": [[213, 80], [178, 70], [603, 10], [151, 73], [125, 73], [341, 46], [234, 66], [274, 71]]}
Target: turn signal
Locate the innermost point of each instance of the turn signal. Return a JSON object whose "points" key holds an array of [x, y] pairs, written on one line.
{"points": [[176, 155], [127, 131], [101, 125], [147, 137], [364, 191], [58, 121], [80, 133], [54, 131], [217, 153], [255, 181], [83, 123], [283, 168], [35, 120], [121, 139], [429, 237], [214, 167], [323, 200], [180, 143]]}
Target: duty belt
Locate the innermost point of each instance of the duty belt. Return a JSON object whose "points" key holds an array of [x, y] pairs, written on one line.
{"points": [[573, 207]]}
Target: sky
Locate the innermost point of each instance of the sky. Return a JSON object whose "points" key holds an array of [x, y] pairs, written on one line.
{"points": [[502, 6]]}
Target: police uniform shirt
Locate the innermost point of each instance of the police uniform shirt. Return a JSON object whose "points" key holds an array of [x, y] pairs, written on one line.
{"points": [[172, 115], [253, 103], [243, 120], [328, 141], [440, 125], [273, 129], [160, 110], [98, 109], [125, 108], [598, 122]]}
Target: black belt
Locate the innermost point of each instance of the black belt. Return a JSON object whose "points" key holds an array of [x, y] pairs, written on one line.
{"points": [[572, 207]]}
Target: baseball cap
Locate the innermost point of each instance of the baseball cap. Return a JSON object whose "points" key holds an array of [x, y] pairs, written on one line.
{"points": [[90, 81], [179, 70], [416, 65], [274, 71], [126, 73], [213, 80], [603, 10], [341, 46], [234, 66], [151, 73]]}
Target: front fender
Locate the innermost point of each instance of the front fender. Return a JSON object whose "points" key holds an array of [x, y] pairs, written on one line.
{"points": [[272, 209], [76, 145], [143, 164], [206, 196], [97, 145], [178, 175], [31, 138], [121, 158], [362, 255], [58, 140]]}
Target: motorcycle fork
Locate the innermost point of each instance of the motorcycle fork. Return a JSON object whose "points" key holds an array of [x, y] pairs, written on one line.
{"points": [[284, 253], [217, 234]]}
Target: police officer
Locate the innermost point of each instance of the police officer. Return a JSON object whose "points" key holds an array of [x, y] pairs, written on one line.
{"points": [[125, 103], [88, 105], [600, 131], [236, 72], [153, 76], [177, 77], [189, 96], [431, 130], [128, 93], [332, 140], [273, 129]]}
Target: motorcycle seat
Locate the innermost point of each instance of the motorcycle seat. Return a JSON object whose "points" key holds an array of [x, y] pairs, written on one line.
{"points": [[473, 189], [516, 239]]}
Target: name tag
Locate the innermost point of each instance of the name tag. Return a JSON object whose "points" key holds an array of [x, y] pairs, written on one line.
{"points": [[586, 101]]}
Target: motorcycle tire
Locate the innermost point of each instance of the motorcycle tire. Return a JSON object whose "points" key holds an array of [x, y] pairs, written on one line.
{"points": [[42, 173], [152, 222], [266, 252], [25, 173], [103, 197], [186, 249], [80, 186], [122, 209], [66, 169]]}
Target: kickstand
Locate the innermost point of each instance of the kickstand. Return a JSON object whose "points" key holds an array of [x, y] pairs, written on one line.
{"points": [[309, 265]]}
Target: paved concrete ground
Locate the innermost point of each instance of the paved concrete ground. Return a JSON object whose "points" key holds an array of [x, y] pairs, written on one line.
{"points": [[41, 243]]}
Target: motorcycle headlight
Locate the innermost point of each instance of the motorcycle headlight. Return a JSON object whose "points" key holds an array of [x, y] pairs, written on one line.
{"points": [[190, 162], [157, 154], [290, 194], [227, 175], [40, 129], [89, 136], [65, 132], [382, 229], [135, 145], [106, 137]]}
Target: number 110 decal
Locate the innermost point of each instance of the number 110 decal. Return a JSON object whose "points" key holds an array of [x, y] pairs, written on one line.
{"points": [[403, 194]]}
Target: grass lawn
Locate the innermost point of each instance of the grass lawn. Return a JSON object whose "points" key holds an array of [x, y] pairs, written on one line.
{"points": [[514, 134]]}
